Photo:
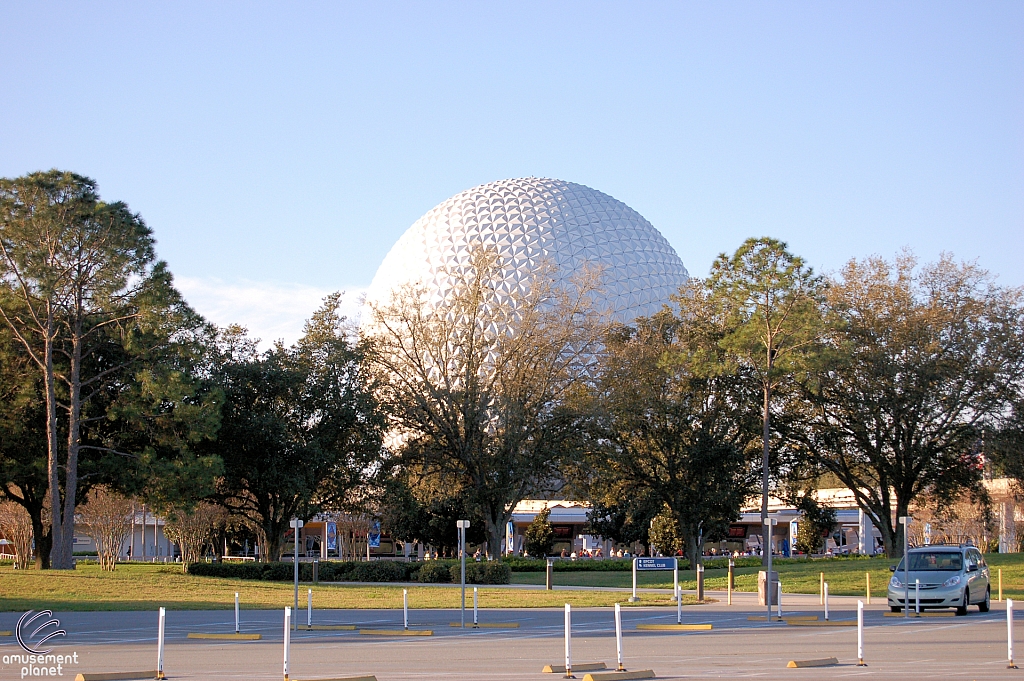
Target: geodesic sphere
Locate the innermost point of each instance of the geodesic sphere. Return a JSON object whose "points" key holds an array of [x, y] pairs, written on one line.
{"points": [[530, 221]]}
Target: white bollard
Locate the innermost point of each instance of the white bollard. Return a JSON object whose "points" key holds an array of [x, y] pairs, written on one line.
{"points": [[476, 619], [779, 600], [1009, 633], [826, 601], [160, 645], [287, 638], [309, 609], [236, 612], [618, 636], [917, 597], [568, 641], [679, 604], [405, 607], [860, 634]]}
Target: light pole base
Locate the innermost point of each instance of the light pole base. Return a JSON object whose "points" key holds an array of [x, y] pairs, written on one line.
{"points": [[634, 599]]}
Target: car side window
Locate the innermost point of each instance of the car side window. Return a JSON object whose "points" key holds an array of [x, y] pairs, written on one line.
{"points": [[979, 558]]}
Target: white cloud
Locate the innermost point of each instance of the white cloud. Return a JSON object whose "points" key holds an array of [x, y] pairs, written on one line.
{"points": [[270, 311]]}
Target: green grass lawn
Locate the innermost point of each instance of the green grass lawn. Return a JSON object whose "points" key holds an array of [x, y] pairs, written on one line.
{"points": [[845, 576], [139, 586]]}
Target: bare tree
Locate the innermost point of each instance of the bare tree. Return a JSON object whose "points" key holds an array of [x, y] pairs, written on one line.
{"points": [[16, 527], [106, 517], [192, 529], [475, 385]]}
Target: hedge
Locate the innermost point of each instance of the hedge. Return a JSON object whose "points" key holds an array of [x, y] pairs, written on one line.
{"points": [[349, 571], [620, 564]]}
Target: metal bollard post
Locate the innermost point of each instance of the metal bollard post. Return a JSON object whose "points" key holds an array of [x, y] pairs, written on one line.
{"points": [[568, 642], [547, 578], [821, 588], [618, 636], [309, 609], [1000, 584], [160, 645], [1009, 633], [860, 634], [778, 600], [867, 576], [824, 594], [679, 604], [633, 598], [287, 638], [730, 586], [476, 619], [405, 608], [700, 582], [917, 597], [236, 612]]}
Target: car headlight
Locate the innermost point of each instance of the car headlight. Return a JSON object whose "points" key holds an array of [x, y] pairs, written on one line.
{"points": [[952, 581], [895, 582]]}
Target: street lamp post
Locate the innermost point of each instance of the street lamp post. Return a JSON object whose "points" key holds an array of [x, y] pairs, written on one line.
{"points": [[905, 522], [296, 525], [463, 525], [769, 523]]}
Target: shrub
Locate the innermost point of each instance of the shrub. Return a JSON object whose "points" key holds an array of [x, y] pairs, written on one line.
{"points": [[489, 572], [540, 536], [436, 572]]}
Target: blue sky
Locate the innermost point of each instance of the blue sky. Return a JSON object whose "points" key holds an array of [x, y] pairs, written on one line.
{"points": [[279, 150]]}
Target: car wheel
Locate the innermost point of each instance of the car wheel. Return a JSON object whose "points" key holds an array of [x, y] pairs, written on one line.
{"points": [[961, 610], [895, 608], [986, 604]]}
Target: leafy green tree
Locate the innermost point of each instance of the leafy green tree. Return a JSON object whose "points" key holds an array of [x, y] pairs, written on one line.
{"points": [[417, 508], [300, 429], [540, 536], [93, 310], [817, 522], [669, 431], [924, 358], [770, 302], [664, 534], [475, 386], [625, 520]]}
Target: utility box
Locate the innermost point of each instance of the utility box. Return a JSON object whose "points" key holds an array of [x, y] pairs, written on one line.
{"points": [[773, 588]]}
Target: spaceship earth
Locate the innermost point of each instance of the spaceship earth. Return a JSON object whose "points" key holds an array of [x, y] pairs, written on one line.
{"points": [[529, 222]]}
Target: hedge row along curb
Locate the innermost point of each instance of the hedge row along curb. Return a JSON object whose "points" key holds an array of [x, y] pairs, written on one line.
{"points": [[429, 572]]}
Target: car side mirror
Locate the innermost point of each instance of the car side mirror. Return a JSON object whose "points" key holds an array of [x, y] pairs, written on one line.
{"points": [[972, 567], [892, 568]]}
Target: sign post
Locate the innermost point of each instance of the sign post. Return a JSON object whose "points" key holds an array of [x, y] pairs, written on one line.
{"points": [[769, 523], [463, 525], [905, 522], [657, 564], [296, 525]]}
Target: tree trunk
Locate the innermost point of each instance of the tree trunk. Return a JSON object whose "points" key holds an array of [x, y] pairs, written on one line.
{"points": [[44, 540], [693, 552], [766, 424], [67, 526], [495, 534]]}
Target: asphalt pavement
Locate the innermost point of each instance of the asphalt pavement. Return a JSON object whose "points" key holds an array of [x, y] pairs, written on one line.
{"points": [[972, 647]]}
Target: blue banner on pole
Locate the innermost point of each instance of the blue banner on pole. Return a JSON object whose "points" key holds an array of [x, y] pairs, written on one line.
{"points": [[332, 536], [375, 536], [655, 563]]}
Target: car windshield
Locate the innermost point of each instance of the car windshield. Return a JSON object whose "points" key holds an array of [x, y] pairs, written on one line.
{"points": [[934, 560]]}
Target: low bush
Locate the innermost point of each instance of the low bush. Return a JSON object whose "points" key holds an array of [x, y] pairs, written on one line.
{"points": [[436, 572], [485, 572]]}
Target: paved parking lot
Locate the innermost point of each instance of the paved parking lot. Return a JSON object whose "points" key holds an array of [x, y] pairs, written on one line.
{"points": [[964, 648]]}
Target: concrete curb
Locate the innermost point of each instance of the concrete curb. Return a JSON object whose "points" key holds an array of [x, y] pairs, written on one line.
{"points": [[944, 613], [487, 625], [226, 637], [673, 627], [581, 667], [826, 623], [785, 618], [396, 632], [823, 662], [612, 676], [331, 627]]}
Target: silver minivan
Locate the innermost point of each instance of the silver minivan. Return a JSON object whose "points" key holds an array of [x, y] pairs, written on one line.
{"points": [[949, 576]]}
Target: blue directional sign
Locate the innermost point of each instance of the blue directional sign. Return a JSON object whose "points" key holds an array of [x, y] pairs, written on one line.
{"points": [[655, 563]]}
